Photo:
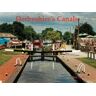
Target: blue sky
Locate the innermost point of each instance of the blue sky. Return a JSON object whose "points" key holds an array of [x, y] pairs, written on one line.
{"points": [[89, 17]]}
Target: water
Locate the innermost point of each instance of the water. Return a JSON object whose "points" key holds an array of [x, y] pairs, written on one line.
{"points": [[45, 72]]}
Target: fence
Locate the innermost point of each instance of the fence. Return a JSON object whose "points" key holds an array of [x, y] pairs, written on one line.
{"points": [[92, 55]]}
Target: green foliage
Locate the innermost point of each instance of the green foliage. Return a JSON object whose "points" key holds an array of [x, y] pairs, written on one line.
{"points": [[67, 36], [6, 27], [18, 29], [4, 58], [6, 55], [44, 32], [50, 34], [88, 61], [53, 35], [61, 37], [86, 28], [38, 36], [29, 33], [47, 48]]}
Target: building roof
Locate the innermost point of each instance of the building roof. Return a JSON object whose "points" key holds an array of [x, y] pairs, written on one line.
{"points": [[6, 35]]}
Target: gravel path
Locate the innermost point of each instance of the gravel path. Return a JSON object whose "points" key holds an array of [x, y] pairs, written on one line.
{"points": [[8, 70]]}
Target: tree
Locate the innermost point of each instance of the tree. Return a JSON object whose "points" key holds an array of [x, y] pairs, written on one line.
{"points": [[29, 33], [59, 33], [86, 28], [52, 35], [44, 32], [6, 28], [38, 36], [18, 28], [67, 36]]}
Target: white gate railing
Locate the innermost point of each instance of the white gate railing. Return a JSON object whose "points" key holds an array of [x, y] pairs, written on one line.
{"points": [[81, 68], [18, 62]]}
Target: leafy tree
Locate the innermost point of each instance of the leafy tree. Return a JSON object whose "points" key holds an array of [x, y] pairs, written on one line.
{"points": [[50, 34], [67, 36], [53, 35], [38, 36], [29, 33], [10, 28], [18, 28], [86, 28], [59, 33], [44, 32], [6, 28]]}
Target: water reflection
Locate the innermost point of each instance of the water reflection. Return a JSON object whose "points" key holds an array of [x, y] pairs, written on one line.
{"points": [[31, 65], [53, 66], [44, 72]]}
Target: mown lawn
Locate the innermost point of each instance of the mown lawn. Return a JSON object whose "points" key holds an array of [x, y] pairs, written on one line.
{"points": [[88, 61], [5, 56]]}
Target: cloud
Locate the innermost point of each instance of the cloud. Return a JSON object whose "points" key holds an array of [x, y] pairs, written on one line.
{"points": [[89, 17], [47, 13]]}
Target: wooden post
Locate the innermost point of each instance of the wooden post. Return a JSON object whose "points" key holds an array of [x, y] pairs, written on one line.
{"points": [[53, 55], [94, 55], [31, 55], [88, 54], [91, 55], [57, 60], [42, 56]]}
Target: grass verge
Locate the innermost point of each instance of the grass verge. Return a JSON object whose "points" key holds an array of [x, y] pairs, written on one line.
{"points": [[5, 56], [88, 61]]}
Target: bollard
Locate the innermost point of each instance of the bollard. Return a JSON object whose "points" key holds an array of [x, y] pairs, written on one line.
{"points": [[6, 74]]}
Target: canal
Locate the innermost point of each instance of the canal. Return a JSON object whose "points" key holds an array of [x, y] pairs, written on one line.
{"points": [[45, 72]]}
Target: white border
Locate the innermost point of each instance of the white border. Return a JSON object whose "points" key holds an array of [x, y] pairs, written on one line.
{"points": [[60, 89], [47, 6], [49, 89]]}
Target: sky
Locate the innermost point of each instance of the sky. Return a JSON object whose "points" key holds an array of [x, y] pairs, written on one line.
{"points": [[89, 17]]}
